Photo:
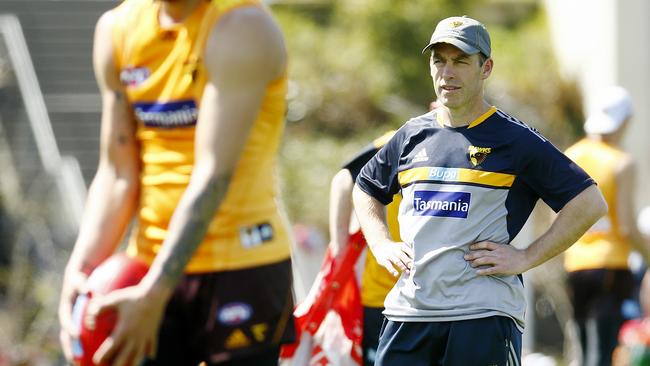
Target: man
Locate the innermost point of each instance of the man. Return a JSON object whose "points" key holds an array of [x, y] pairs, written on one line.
{"points": [[375, 280], [469, 176], [599, 277], [193, 106]]}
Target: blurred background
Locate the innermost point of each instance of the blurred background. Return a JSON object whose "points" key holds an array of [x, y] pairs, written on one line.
{"points": [[356, 71]]}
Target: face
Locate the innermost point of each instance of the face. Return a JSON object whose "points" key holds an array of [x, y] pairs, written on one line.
{"points": [[458, 77]]}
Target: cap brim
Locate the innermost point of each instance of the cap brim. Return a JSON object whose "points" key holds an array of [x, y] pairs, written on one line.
{"points": [[466, 48]]}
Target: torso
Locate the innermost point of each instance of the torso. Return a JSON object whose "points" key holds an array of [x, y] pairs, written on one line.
{"points": [[460, 186], [164, 78], [602, 246]]}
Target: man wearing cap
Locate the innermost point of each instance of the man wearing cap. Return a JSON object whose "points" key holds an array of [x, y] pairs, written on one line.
{"points": [[469, 175], [599, 277]]}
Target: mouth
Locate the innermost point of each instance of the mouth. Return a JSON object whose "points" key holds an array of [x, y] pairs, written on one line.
{"points": [[449, 88]]}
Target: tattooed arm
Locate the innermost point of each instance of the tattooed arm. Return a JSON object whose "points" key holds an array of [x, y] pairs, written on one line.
{"points": [[244, 53], [113, 194]]}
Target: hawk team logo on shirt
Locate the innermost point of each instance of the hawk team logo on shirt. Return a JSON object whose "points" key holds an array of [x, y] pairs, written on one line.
{"points": [[441, 204], [477, 154]]}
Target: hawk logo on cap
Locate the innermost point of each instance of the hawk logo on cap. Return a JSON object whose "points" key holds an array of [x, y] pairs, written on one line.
{"points": [[477, 155], [456, 23]]}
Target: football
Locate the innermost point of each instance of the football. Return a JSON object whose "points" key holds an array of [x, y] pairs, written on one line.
{"points": [[118, 271]]}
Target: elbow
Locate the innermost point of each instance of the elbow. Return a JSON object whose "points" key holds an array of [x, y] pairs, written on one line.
{"points": [[342, 182]]}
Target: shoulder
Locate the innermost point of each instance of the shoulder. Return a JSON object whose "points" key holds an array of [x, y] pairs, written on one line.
{"points": [[107, 20], [120, 19], [417, 124], [383, 139], [627, 165], [247, 39], [103, 51], [515, 128], [127, 10]]}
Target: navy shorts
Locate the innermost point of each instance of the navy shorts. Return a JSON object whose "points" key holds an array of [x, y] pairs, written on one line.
{"points": [[238, 317], [372, 323], [487, 341]]}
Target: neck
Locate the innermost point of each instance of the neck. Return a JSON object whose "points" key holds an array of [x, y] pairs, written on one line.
{"points": [[172, 12], [459, 117]]}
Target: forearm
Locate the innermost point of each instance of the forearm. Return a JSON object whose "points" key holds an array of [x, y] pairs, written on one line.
{"points": [[340, 211], [577, 216], [372, 217], [186, 231], [109, 208]]}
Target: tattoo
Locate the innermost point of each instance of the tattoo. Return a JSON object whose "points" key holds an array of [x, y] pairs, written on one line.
{"points": [[119, 95], [122, 139], [197, 216]]}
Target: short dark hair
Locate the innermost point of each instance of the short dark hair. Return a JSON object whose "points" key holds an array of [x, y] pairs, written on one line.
{"points": [[481, 58]]}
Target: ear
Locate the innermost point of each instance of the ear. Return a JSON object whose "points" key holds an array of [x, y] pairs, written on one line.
{"points": [[486, 69]]}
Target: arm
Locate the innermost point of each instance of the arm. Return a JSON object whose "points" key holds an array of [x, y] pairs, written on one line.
{"points": [[625, 180], [244, 53], [575, 218], [340, 213], [372, 217], [340, 210], [112, 196]]}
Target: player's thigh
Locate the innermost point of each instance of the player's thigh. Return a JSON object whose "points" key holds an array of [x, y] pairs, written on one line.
{"points": [[228, 316], [409, 343], [493, 340], [249, 313]]}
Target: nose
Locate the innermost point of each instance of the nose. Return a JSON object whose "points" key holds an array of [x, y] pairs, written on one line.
{"points": [[447, 71]]}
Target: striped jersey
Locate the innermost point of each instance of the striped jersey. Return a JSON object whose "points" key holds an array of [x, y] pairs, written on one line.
{"points": [[164, 77], [460, 186], [603, 245]]}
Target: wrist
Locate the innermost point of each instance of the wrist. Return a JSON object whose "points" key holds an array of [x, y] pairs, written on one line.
{"points": [[529, 257], [74, 267], [155, 289], [379, 242]]}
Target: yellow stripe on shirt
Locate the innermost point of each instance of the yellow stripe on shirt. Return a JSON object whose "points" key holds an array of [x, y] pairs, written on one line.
{"points": [[456, 175]]}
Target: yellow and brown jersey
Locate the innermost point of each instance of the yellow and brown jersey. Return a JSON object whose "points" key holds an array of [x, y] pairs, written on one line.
{"points": [[376, 281], [164, 78], [602, 246]]}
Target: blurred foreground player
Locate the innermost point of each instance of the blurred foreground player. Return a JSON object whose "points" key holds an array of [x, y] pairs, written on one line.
{"points": [[193, 99]]}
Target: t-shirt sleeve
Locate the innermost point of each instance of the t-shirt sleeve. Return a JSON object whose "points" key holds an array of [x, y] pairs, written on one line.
{"points": [[554, 177], [378, 177], [355, 164]]}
